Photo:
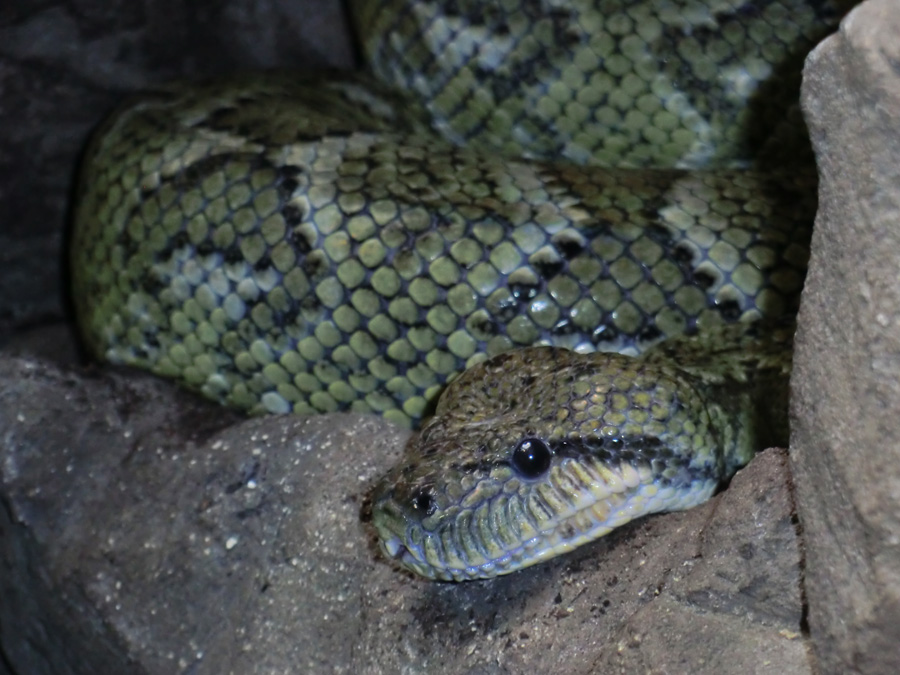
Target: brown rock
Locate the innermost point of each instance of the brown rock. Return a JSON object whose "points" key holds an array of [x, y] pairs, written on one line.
{"points": [[144, 531], [736, 607], [846, 386]]}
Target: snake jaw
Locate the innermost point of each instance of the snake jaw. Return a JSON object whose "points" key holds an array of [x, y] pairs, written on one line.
{"points": [[456, 546], [393, 547], [427, 553], [397, 528]]}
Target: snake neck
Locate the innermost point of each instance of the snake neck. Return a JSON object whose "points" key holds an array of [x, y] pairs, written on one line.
{"points": [[742, 372]]}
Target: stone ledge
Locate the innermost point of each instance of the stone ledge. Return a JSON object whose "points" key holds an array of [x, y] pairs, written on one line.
{"points": [[146, 531]]}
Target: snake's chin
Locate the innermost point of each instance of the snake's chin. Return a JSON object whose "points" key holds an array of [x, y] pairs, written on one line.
{"points": [[586, 524], [394, 548]]}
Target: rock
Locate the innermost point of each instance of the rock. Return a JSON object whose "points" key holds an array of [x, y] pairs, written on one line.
{"points": [[735, 608], [54, 341], [846, 386], [147, 531]]}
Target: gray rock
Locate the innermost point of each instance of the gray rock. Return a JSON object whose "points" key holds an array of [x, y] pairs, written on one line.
{"points": [[846, 386], [146, 531]]}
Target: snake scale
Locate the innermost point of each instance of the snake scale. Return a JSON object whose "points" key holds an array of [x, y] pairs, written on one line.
{"points": [[599, 210]]}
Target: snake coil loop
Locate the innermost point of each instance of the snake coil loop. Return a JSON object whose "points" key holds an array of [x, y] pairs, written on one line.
{"points": [[535, 195]]}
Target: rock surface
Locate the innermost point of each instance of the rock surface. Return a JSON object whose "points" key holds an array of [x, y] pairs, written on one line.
{"points": [[144, 531], [846, 388]]}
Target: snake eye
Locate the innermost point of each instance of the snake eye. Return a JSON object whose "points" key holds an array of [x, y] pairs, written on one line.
{"points": [[423, 502], [531, 458]]}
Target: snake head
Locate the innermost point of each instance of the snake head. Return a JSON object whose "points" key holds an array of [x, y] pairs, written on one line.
{"points": [[535, 452]]}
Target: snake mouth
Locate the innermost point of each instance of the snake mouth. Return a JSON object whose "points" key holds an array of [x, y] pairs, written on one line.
{"points": [[395, 543], [393, 535], [394, 548], [432, 555]]}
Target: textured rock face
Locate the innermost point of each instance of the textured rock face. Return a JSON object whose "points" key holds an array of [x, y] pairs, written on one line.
{"points": [[845, 446], [145, 531]]}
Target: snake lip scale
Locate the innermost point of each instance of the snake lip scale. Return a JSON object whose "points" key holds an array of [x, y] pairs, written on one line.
{"points": [[535, 550], [576, 231]]}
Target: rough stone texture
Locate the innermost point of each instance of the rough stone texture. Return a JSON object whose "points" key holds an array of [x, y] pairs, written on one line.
{"points": [[63, 65], [846, 386], [144, 532]]}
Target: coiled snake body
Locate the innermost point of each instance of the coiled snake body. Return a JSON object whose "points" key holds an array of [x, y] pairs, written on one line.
{"points": [[595, 177]]}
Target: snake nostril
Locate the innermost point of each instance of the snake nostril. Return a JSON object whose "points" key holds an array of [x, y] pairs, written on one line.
{"points": [[532, 458], [423, 502]]}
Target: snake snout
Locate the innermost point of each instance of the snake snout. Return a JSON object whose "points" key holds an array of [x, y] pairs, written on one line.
{"points": [[398, 510]]}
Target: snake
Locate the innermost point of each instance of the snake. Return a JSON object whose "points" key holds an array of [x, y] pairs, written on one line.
{"points": [[565, 241]]}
